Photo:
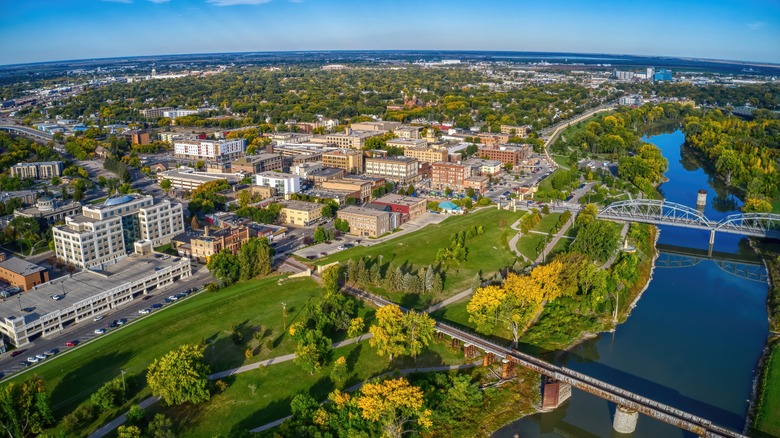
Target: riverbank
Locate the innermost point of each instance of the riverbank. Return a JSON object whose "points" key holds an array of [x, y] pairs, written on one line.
{"points": [[764, 412]]}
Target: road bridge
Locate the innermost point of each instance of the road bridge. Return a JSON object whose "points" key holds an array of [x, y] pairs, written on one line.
{"points": [[25, 130], [660, 212], [740, 265], [626, 401]]}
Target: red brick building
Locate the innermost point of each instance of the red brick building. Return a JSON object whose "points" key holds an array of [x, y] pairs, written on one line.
{"points": [[507, 154]]}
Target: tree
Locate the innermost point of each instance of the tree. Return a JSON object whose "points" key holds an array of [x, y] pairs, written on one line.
{"points": [[597, 239], [419, 329], [356, 327], [330, 279], [319, 235], [181, 376], [587, 214], [756, 205], [395, 405], [328, 211], [388, 336], [134, 415], [166, 185], [244, 198], [224, 266], [161, 427], [128, 432], [339, 372], [194, 224], [313, 347], [24, 408], [110, 395]]}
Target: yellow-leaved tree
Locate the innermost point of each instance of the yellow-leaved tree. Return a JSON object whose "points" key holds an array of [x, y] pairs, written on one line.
{"points": [[396, 333], [395, 404]]}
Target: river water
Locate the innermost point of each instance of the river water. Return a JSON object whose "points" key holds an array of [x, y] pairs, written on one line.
{"points": [[693, 341]]}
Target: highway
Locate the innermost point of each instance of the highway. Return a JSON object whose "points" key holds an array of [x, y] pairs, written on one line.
{"points": [[30, 132], [556, 129]]}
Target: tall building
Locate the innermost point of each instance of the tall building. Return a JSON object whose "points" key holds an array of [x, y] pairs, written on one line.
{"points": [[507, 154], [209, 150], [427, 155], [37, 170], [402, 170], [107, 232], [449, 175], [349, 160], [155, 113]]}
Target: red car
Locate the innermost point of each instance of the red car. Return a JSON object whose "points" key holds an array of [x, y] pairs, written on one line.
{"points": [[71, 343], [16, 353]]}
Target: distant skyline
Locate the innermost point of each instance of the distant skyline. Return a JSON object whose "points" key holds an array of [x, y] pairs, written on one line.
{"points": [[53, 30]]}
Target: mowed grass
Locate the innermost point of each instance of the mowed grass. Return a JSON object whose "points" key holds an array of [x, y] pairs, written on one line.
{"points": [[486, 253], [768, 416], [260, 396], [531, 244], [72, 377]]}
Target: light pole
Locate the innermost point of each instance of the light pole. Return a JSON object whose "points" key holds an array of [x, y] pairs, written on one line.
{"points": [[284, 316], [123, 381]]}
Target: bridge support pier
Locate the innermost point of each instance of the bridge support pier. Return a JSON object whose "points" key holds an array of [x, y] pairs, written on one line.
{"points": [[487, 359], [508, 369], [625, 420], [712, 241], [470, 351], [554, 393]]}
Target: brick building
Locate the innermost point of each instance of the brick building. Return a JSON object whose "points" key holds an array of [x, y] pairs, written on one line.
{"points": [[507, 154], [21, 273], [366, 222], [409, 207], [449, 175]]}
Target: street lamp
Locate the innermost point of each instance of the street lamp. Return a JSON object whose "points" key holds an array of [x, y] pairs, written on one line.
{"points": [[284, 316]]}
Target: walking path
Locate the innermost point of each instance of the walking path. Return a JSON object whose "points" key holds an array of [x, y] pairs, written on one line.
{"points": [[359, 385], [449, 300], [120, 420], [554, 241]]}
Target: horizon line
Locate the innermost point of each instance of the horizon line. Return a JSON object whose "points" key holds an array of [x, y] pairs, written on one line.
{"points": [[682, 58]]}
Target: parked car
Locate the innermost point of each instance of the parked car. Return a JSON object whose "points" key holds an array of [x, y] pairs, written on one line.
{"points": [[41, 356], [144, 311], [24, 364], [173, 298], [71, 343], [28, 309], [51, 352], [97, 318], [100, 331], [156, 306], [121, 321], [57, 297], [16, 353], [147, 297], [32, 359]]}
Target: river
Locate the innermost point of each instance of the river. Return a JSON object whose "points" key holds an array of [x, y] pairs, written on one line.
{"points": [[693, 341]]}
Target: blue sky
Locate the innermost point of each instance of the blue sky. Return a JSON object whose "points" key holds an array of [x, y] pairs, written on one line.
{"points": [[47, 30]]}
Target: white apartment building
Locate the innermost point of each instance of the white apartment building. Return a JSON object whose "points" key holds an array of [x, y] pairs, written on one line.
{"points": [[37, 170], [402, 170], [105, 233], [284, 183], [209, 150], [179, 113]]}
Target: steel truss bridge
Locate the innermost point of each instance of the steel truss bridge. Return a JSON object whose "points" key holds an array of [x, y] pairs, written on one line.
{"points": [[748, 271], [669, 213]]}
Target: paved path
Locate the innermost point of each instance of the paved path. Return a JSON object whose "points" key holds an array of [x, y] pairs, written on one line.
{"points": [[279, 359], [353, 388], [554, 241], [120, 420], [449, 300]]}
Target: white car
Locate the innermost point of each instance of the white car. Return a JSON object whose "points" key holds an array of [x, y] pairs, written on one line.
{"points": [[100, 331], [97, 318], [173, 298], [32, 359], [144, 311], [41, 356], [56, 297]]}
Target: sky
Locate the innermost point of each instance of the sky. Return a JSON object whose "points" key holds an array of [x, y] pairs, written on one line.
{"points": [[50, 30]]}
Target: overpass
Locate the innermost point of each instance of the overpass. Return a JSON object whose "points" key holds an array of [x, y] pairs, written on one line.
{"points": [[660, 212], [30, 132], [628, 403]]}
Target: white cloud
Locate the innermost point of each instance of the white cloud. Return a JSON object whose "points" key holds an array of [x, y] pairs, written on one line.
{"points": [[236, 2], [118, 1], [756, 25]]}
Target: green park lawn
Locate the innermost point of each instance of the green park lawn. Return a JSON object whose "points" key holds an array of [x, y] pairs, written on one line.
{"points": [[531, 243], [260, 396], [72, 377], [767, 419], [486, 253]]}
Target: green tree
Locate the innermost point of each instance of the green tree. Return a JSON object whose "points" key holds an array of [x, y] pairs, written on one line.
{"points": [[330, 279], [181, 376], [319, 235], [128, 432], [24, 408], [356, 327], [110, 395], [161, 427], [224, 266], [587, 214], [339, 372], [598, 240]]}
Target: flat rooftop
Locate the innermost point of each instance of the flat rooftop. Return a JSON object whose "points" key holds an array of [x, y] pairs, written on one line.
{"points": [[21, 267], [363, 211], [392, 198], [80, 286], [303, 205], [192, 176]]}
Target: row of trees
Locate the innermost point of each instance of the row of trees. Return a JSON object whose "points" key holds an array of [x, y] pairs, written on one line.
{"points": [[253, 259], [372, 272]]}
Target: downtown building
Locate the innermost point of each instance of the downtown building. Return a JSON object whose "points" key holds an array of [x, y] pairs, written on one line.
{"points": [[37, 170], [220, 151], [401, 170], [106, 233]]}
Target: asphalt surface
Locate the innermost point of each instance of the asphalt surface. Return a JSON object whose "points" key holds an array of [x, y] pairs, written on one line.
{"points": [[85, 330]]}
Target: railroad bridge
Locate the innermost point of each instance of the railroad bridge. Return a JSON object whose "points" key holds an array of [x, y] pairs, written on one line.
{"points": [[562, 379]]}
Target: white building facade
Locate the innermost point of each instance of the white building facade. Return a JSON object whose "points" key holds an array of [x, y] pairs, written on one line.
{"points": [[210, 150], [284, 183]]}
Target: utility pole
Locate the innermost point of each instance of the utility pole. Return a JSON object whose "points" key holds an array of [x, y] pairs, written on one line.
{"points": [[123, 381], [284, 316]]}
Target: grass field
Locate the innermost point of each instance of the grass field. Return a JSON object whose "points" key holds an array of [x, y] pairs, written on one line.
{"points": [[263, 395], [486, 253], [767, 420], [530, 244], [72, 377]]}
